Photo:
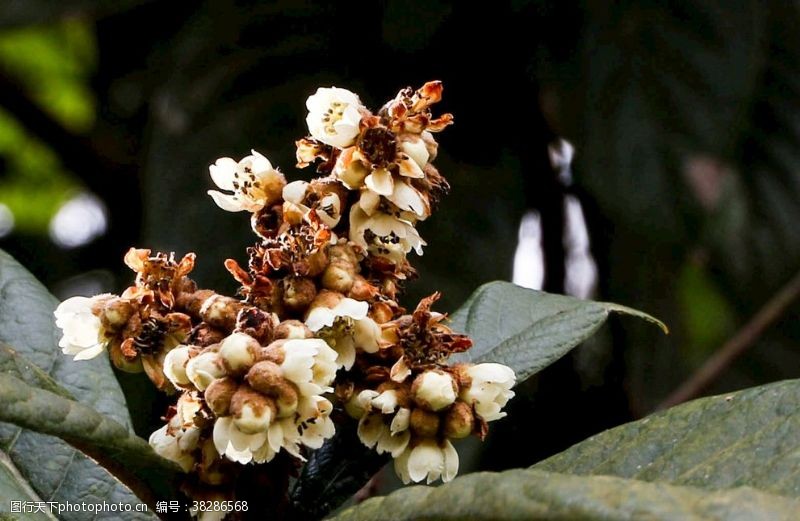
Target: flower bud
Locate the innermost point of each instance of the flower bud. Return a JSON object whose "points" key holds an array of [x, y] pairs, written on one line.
{"points": [[115, 312], [341, 272], [298, 293], [362, 290], [360, 403], [238, 352], [267, 378], [252, 411], [203, 369], [459, 421], [434, 390], [292, 329], [219, 393], [121, 362], [175, 365], [424, 423]]}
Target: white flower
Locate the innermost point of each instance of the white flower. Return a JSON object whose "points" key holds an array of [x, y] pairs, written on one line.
{"points": [[372, 428], [384, 235], [334, 116], [238, 446], [345, 327], [175, 366], [311, 364], [386, 401], [427, 460], [328, 208], [391, 181], [204, 369], [315, 425], [434, 390], [83, 331], [253, 181], [176, 441], [489, 390]]}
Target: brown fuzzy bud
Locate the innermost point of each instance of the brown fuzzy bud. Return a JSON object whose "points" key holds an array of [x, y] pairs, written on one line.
{"points": [[341, 272], [326, 299], [298, 293], [219, 393], [424, 423], [252, 411], [114, 313], [362, 290], [267, 378], [220, 311], [459, 421], [272, 353], [381, 312], [292, 329]]}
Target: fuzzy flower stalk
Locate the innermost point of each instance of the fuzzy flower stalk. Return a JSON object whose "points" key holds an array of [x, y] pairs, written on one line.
{"points": [[316, 335]]}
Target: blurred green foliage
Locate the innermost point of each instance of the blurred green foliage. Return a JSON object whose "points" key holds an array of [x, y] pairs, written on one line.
{"points": [[53, 64]]}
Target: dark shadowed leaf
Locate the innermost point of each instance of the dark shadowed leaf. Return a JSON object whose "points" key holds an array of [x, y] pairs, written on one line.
{"points": [[539, 495], [106, 441], [529, 330], [54, 470], [748, 438]]}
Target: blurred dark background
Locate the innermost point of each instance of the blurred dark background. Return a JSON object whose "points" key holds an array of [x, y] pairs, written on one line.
{"points": [[681, 200]]}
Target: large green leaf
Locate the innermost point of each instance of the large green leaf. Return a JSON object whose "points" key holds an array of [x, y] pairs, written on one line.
{"points": [[53, 469], [112, 445], [539, 495], [529, 330], [745, 438]]}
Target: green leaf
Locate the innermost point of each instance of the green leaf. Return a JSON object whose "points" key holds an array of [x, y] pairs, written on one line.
{"points": [[529, 330], [53, 469], [539, 495], [12, 486], [13, 364], [109, 443], [744, 438]]}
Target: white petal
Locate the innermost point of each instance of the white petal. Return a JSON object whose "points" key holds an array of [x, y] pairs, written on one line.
{"points": [[295, 192], [229, 203], [426, 459], [346, 352], [416, 150], [369, 201], [320, 317], [401, 466], [222, 172], [352, 308], [407, 198], [400, 421], [88, 354], [393, 443], [450, 461], [386, 401], [380, 181], [258, 163], [370, 428], [366, 334], [410, 168]]}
